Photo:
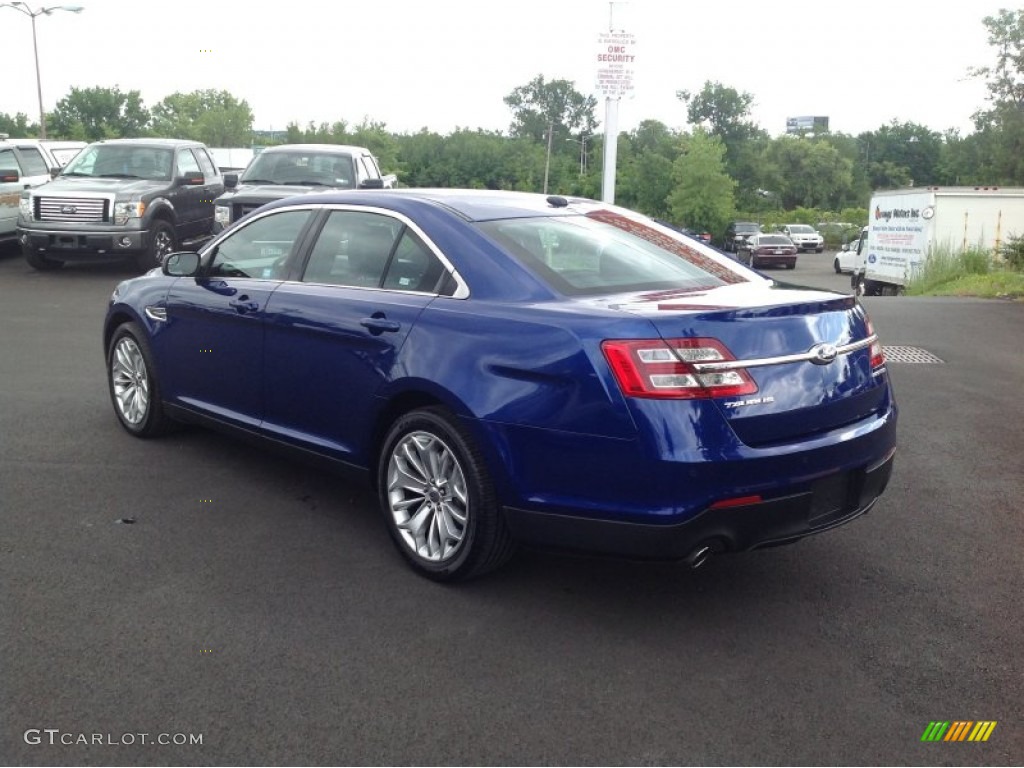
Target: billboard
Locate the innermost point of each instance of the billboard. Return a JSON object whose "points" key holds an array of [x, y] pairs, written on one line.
{"points": [[807, 123]]}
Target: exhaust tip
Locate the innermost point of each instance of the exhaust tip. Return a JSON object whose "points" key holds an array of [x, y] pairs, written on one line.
{"points": [[699, 556]]}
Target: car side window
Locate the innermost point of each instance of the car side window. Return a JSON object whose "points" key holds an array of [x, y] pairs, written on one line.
{"points": [[353, 249], [209, 170], [187, 164], [260, 249], [9, 162], [32, 162], [413, 267]]}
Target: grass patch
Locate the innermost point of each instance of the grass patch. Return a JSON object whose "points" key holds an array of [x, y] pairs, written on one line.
{"points": [[969, 273]]}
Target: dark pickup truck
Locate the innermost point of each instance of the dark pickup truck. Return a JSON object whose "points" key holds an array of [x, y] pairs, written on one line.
{"points": [[122, 199], [295, 169]]}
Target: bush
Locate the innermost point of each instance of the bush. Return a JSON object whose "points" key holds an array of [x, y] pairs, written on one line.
{"points": [[943, 265], [1012, 252]]}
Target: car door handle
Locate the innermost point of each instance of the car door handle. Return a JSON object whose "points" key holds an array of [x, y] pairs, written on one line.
{"points": [[377, 325], [243, 305]]}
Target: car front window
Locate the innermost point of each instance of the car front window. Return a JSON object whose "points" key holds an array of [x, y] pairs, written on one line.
{"points": [[260, 249], [605, 252]]}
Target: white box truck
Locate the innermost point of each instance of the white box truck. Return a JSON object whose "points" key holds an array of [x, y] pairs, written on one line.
{"points": [[905, 226]]}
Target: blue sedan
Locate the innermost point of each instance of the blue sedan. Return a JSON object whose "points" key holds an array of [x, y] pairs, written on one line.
{"points": [[511, 368]]}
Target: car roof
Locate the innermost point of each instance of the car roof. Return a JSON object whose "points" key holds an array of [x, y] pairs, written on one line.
{"points": [[153, 142], [327, 148], [469, 204]]}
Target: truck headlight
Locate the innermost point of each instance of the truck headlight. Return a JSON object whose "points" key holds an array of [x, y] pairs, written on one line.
{"points": [[222, 214], [25, 207], [125, 211]]}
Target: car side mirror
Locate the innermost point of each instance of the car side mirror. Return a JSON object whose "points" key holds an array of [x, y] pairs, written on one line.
{"points": [[230, 180], [181, 264], [9, 174], [55, 172], [371, 184], [189, 180]]}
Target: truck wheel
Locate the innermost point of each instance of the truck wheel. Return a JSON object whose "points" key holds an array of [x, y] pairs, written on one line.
{"points": [[859, 287], [161, 242], [438, 498], [38, 261]]}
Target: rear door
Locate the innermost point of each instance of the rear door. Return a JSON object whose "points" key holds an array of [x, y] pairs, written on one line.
{"points": [[335, 337]]}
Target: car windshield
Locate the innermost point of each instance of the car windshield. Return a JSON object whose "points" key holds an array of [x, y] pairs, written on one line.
{"points": [[747, 228], [801, 229], [120, 161], [327, 169], [605, 253]]}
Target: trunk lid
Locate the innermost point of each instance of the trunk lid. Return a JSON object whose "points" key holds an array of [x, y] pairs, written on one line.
{"points": [[808, 354]]}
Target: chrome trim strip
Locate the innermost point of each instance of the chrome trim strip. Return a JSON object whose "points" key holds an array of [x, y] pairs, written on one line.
{"points": [[157, 313], [731, 365]]}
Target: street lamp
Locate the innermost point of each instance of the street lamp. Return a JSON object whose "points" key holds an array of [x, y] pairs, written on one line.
{"points": [[23, 8]]}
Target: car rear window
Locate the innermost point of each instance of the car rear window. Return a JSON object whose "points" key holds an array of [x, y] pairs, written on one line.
{"points": [[773, 240], [604, 253]]}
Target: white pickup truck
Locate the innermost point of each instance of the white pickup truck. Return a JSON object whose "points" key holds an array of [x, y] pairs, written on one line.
{"points": [[24, 163]]}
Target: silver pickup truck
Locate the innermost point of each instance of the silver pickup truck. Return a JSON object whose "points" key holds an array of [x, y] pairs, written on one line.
{"points": [[24, 163]]}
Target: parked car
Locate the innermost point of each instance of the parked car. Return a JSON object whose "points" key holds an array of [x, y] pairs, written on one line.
{"points": [[804, 237], [846, 259], [24, 163], [512, 368], [121, 199], [766, 250], [291, 169], [737, 233]]}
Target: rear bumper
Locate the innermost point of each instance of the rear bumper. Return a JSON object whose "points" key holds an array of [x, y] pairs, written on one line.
{"points": [[831, 501]]}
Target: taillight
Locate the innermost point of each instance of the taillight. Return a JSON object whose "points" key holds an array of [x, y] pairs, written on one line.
{"points": [[665, 368], [877, 354]]}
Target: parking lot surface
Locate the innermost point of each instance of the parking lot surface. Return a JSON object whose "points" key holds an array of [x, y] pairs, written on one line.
{"points": [[197, 586]]}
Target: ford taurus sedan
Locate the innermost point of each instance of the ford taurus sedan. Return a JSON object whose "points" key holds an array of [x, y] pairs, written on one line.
{"points": [[515, 369]]}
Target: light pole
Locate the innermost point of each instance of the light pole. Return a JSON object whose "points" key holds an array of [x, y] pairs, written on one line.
{"points": [[23, 8], [582, 141]]}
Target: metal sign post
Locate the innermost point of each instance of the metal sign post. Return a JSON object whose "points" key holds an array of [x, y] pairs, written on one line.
{"points": [[616, 55]]}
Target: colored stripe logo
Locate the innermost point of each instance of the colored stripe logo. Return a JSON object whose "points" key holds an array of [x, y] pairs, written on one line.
{"points": [[958, 730]]}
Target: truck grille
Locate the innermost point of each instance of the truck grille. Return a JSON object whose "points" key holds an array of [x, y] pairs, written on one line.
{"points": [[78, 209]]}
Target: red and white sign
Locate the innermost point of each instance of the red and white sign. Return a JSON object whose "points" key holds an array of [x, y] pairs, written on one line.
{"points": [[616, 56]]}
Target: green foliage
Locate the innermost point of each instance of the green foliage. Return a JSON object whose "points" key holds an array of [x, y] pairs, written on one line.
{"points": [[556, 105], [215, 118], [90, 114], [944, 265], [1012, 252], [18, 126], [703, 195]]}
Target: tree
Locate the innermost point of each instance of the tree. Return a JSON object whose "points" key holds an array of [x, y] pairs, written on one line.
{"points": [[703, 193], [215, 118], [723, 112], [91, 114], [540, 106], [810, 173], [18, 125]]}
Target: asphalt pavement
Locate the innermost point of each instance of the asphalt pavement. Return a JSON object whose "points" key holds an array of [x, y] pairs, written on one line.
{"points": [[197, 589]]}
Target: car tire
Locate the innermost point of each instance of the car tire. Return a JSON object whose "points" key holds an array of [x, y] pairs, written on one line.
{"points": [[835, 265], [791, 265], [819, 250], [38, 261], [438, 499], [133, 385], [161, 242]]}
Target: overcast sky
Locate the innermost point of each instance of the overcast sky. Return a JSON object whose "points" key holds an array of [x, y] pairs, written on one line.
{"points": [[443, 64]]}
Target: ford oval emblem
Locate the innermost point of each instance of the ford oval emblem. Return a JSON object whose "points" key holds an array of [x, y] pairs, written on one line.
{"points": [[823, 354], [68, 209]]}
